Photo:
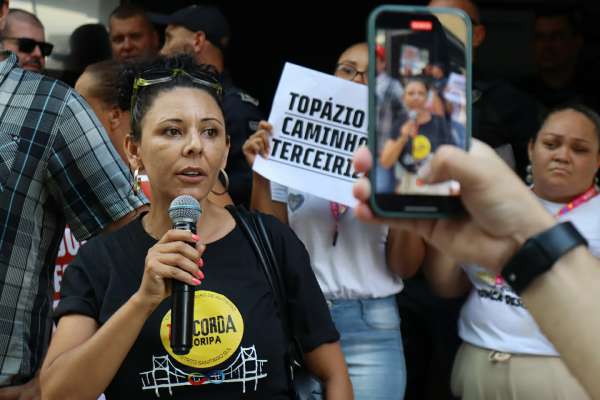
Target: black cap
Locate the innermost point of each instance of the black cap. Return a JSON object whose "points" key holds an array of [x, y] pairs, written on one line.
{"points": [[207, 19]]}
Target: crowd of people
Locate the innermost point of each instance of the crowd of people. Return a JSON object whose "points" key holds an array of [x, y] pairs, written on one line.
{"points": [[379, 309]]}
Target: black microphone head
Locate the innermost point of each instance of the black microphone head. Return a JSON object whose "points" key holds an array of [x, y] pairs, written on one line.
{"points": [[184, 208]]}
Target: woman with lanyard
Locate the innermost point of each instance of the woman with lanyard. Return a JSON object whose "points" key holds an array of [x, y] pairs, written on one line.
{"points": [[358, 266], [504, 354]]}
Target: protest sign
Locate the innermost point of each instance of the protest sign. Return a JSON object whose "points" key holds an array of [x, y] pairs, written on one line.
{"points": [[318, 122]]}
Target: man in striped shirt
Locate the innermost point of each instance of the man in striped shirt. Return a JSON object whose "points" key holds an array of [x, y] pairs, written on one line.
{"points": [[57, 167]]}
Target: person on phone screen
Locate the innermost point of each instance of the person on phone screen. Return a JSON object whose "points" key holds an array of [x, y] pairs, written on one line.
{"points": [[414, 139]]}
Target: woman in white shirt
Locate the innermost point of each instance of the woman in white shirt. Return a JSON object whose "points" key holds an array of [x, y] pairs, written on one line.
{"points": [[358, 266], [504, 354]]}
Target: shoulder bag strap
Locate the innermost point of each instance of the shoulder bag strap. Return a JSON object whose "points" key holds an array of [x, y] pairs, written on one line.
{"points": [[254, 229]]}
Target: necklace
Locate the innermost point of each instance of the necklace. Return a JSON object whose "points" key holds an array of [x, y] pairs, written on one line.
{"points": [[147, 229]]}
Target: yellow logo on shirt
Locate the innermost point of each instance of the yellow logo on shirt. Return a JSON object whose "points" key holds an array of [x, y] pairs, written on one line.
{"points": [[217, 331], [421, 147]]}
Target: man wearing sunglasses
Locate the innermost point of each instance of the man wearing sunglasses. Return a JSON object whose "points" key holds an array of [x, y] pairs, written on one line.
{"points": [[24, 35], [57, 167]]}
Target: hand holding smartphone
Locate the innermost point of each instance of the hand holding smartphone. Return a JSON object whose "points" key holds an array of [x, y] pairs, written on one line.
{"points": [[419, 100]]}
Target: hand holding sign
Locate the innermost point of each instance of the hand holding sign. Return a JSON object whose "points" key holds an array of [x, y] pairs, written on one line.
{"points": [[258, 143], [318, 121]]}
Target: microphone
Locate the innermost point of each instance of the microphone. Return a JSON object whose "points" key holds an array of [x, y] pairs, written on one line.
{"points": [[412, 115], [184, 212]]}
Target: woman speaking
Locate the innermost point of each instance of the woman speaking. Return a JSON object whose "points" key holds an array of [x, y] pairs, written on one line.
{"points": [[114, 314]]}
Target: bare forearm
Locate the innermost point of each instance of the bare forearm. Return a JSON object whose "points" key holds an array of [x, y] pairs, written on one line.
{"points": [[85, 371], [444, 275], [391, 151], [260, 198], [565, 305], [405, 252], [338, 388], [327, 363]]}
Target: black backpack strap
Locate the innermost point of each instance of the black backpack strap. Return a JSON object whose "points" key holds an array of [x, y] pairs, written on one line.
{"points": [[253, 227], [244, 220], [273, 265]]}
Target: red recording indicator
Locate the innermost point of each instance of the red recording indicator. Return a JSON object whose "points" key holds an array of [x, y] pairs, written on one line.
{"points": [[421, 25]]}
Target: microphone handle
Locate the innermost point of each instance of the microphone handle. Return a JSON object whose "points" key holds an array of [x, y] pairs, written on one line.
{"points": [[182, 307]]}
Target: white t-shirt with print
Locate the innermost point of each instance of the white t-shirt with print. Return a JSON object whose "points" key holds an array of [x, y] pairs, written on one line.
{"points": [[494, 317], [355, 268]]}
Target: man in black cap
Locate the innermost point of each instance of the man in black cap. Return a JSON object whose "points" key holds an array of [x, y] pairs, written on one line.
{"points": [[203, 32]]}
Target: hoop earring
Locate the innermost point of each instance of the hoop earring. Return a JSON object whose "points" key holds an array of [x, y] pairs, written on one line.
{"points": [[226, 178], [529, 176], [135, 185]]}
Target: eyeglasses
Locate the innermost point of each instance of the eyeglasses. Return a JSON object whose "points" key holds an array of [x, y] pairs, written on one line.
{"points": [[27, 45], [158, 75], [348, 71]]}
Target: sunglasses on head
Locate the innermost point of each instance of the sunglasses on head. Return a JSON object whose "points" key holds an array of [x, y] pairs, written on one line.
{"points": [[155, 76], [27, 45]]}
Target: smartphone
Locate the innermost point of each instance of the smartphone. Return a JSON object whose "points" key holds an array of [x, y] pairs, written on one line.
{"points": [[419, 99]]}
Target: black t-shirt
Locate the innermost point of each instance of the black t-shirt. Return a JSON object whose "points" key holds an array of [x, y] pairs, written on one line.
{"points": [[437, 132], [239, 344]]}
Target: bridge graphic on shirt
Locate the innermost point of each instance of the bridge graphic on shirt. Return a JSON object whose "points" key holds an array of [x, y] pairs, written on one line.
{"points": [[164, 375]]}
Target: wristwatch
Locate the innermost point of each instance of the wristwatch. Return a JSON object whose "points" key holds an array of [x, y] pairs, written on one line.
{"points": [[539, 253]]}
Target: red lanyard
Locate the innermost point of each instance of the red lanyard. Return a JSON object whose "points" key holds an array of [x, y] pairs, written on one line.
{"points": [[337, 210], [577, 201]]}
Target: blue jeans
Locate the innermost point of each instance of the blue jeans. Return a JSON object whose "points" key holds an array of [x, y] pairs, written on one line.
{"points": [[372, 345], [385, 180]]}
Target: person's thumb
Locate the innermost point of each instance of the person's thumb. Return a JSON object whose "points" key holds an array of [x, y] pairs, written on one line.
{"points": [[469, 169]]}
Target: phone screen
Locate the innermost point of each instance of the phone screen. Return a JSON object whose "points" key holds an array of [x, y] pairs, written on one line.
{"points": [[419, 102]]}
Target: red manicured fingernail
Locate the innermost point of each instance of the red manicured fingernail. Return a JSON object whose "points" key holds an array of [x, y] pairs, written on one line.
{"points": [[199, 274], [195, 237], [196, 281], [200, 262]]}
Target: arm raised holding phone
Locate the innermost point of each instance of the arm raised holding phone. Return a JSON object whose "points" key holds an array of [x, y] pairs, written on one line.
{"points": [[502, 213]]}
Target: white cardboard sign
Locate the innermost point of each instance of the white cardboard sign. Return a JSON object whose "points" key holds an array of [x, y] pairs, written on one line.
{"points": [[318, 122]]}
